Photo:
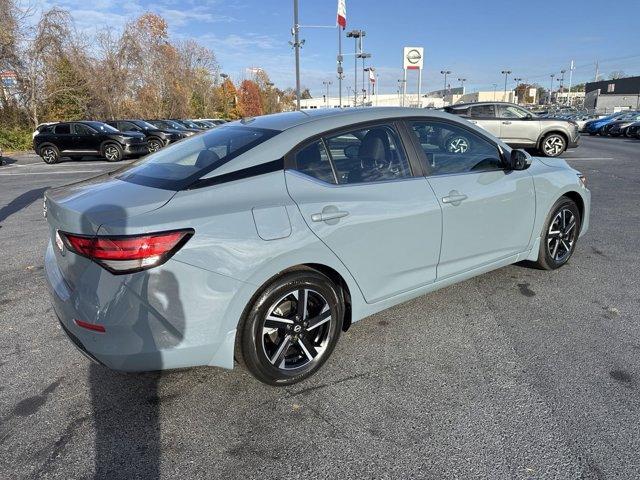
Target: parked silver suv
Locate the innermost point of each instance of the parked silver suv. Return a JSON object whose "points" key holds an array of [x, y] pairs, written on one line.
{"points": [[520, 128]]}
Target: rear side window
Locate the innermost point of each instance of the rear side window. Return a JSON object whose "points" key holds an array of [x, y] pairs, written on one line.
{"points": [[177, 166], [62, 129], [313, 160], [482, 111]]}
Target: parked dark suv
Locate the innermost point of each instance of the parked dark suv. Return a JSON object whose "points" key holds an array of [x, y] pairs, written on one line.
{"points": [[79, 139], [520, 128], [156, 137]]}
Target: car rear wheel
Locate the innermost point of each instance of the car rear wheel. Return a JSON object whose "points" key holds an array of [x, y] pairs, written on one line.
{"points": [[291, 328], [112, 152], [154, 145], [50, 154], [553, 145], [560, 234]]}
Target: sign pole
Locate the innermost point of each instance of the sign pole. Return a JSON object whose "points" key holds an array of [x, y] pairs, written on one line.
{"points": [[339, 68]]}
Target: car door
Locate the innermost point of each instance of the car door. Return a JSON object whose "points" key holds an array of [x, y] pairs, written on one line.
{"points": [[487, 211], [517, 126], [484, 115], [85, 138], [358, 193], [63, 137]]}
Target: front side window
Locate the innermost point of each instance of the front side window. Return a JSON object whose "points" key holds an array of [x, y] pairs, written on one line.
{"points": [[313, 161], [128, 127], [482, 111], [177, 166], [509, 111], [81, 129], [450, 149], [366, 155]]}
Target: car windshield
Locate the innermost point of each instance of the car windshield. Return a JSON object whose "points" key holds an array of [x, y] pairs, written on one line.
{"points": [[177, 166], [102, 127]]}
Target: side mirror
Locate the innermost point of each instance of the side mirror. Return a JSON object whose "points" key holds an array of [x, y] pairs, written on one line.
{"points": [[519, 160]]}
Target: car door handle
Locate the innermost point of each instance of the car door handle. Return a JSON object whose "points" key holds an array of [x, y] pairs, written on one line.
{"points": [[506, 122], [454, 198], [326, 216], [475, 122]]}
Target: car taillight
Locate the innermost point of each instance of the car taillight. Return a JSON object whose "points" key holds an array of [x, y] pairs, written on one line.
{"points": [[128, 254]]}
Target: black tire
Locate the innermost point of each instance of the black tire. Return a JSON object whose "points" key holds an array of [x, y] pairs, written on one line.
{"points": [[154, 144], [553, 251], [112, 152], [553, 145], [49, 154], [279, 353]]}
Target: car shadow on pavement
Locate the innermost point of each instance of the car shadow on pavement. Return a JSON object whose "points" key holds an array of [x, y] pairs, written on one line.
{"points": [[20, 202], [126, 406]]}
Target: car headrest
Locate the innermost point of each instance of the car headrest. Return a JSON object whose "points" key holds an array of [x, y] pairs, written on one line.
{"points": [[206, 158], [375, 145]]}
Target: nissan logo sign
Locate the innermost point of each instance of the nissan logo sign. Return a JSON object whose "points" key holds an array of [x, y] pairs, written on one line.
{"points": [[413, 56]]}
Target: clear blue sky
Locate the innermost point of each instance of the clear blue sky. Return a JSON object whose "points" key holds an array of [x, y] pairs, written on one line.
{"points": [[475, 39]]}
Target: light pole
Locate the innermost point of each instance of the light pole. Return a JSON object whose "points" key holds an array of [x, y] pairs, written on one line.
{"points": [[326, 83], [296, 46], [562, 81], [517, 80], [444, 90], [363, 56], [553, 75], [357, 36], [462, 80], [495, 86], [506, 73], [402, 84]]}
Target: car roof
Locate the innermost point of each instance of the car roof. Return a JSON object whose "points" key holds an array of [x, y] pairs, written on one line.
{"points": [[469, 104], [338, 116], [296, 127]]}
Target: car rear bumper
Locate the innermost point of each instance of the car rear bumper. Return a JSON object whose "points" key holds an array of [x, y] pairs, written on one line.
{"points": [[167, 317]]}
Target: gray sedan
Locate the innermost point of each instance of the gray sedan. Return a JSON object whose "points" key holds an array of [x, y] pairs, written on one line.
{"points": [[264, 239]]}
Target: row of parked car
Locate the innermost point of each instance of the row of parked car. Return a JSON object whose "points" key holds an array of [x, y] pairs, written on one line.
{"points": [[113, 140], [621, 124]]}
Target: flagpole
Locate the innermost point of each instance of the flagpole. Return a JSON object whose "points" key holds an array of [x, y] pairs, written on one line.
{"points": [[339, 67]]}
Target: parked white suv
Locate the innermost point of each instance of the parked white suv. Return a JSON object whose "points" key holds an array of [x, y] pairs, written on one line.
{"points": [[520, 128]]}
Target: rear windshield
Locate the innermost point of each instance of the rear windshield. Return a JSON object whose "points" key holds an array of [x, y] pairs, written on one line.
{"points": [[179, 165]]}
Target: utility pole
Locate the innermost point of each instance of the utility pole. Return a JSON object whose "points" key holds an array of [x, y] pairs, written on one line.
{"points": [[296, 46], [570, 80], [506, 73], [595, 79], [364, 90], [517, 80]]}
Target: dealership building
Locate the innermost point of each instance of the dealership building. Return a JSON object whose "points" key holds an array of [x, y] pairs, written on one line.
{"points": [[609, 96]]}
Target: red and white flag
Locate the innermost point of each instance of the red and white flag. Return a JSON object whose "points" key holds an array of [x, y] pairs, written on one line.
{"points": [[342, 13], [372, 76]]}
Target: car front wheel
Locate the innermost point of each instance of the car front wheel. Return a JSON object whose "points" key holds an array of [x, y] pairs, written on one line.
{"points": [[154, 145], [553, 145], [560, 234], [292, 327], [112, 152]]}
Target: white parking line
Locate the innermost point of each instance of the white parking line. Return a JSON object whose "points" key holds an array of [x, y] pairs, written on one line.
{"points": [[49, 173], [589, 158]]}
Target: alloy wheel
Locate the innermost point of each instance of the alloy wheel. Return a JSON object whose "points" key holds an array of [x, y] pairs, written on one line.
{"points": [[561, 235], [111, 153], [458, 145], [154, 146], [553, 145], [49, 155], [295, 331]]}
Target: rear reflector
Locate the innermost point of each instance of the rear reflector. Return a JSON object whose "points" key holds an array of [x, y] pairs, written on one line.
{"points": [[127, 254], [90, 326]]}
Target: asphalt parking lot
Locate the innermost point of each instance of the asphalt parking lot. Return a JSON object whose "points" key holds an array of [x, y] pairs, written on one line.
{"points": [[518, 373]]}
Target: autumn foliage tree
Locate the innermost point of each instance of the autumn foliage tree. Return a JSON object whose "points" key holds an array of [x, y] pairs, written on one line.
{"points": [[138, 72], [249, 99]]}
